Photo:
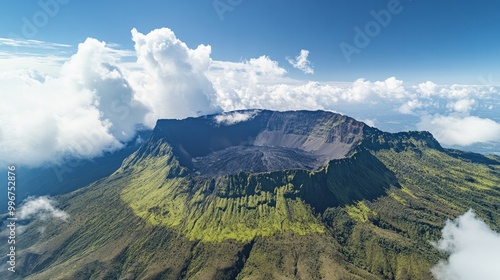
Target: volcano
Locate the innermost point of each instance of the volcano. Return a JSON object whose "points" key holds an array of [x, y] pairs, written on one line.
{"points": [[259, 194]]}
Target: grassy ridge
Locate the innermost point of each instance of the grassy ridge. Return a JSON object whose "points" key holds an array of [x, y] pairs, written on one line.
{"points": [[243, 206], [369, 216], [391, 235], [212, 210]]}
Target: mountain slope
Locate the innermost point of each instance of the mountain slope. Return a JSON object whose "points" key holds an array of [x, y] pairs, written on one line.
{"points": [[367, 211]]}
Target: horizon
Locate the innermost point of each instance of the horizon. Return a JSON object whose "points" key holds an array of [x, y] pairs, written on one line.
{"points": [[63, 66]]}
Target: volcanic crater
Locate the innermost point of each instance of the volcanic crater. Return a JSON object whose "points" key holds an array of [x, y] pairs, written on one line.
{"points": [[264, 141]]}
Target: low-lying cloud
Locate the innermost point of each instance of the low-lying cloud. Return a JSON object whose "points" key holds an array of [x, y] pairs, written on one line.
{"points": [[234, 117], [463, 131], [41, 207], [462, 105], [473, 248]]}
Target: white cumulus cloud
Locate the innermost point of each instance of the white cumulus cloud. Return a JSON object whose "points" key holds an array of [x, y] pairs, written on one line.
{"points": [[172, 83], [89, 108], [365, 91], [301, 62], [454, 130], [95, 69], [462, 105], [473, 248], [95, 102], [427, 89]]}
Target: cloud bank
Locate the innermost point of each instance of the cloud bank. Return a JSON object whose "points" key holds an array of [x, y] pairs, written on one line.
{"points": [[96, 102], [88, 109], [463, 131], [473, 247], [56, 107]]}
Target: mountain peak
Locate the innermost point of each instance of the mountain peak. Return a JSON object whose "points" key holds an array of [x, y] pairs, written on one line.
{"points": [[254, 163], [260, 140], [368, 214]]}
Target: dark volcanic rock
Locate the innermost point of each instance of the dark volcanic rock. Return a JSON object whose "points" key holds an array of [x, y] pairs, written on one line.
{"points": [[254, 159], [266, 141]]}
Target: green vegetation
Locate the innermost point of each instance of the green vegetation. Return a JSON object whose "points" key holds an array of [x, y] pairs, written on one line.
{"points": [[243, 206], [368, 216], [359, 212], [238, 207], [435, 186]]}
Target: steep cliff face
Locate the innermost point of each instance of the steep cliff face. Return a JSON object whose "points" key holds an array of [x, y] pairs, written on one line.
{"points": [[267, 141], [244, 205], [268, 174], [297, 195]]}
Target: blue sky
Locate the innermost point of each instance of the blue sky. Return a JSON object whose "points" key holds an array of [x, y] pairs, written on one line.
{"points": [[78, 78], [443, 41]]}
